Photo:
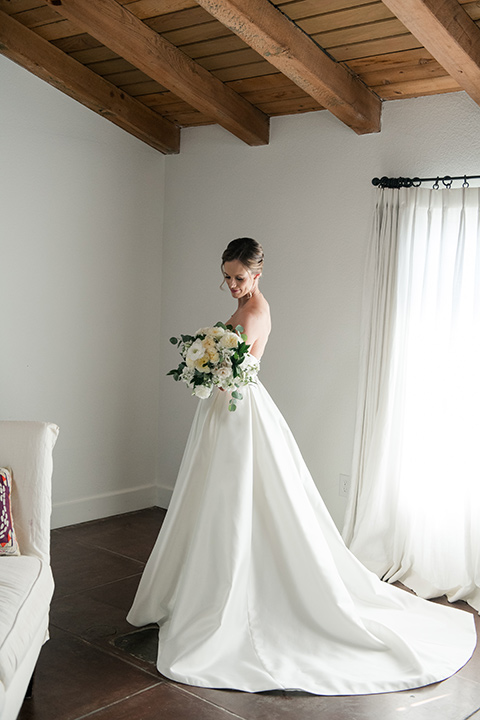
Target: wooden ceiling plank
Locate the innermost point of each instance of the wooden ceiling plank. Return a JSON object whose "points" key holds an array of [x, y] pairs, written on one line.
{"points": [[359, 33], [44, 60], [76, 43], [59, 30], [240, 72], [193, 17], [232, 59], [352, 17], [415, 71], [307, 8], [346, 53], [261, 83], [125, 34], [153, 8], [10, 8], [418, 88], [94, 55], [270, 33], [447, 31], [137, 89], [37, 16], [391, 61]]}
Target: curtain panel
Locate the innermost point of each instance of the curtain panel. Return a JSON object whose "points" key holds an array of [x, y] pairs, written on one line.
{"points": [[414, 509]]}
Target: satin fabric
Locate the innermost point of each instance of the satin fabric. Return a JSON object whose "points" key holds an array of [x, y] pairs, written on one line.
{"points": [[253, 587]]}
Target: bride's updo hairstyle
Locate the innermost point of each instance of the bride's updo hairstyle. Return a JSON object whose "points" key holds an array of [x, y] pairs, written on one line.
{"points": [[247, 251]]}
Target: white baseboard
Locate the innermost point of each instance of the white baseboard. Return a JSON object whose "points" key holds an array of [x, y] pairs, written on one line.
{"points": [[164, 495], [106, 504]]}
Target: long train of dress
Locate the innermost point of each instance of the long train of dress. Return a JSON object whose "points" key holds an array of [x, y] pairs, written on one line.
{"points": [[254, 589]]}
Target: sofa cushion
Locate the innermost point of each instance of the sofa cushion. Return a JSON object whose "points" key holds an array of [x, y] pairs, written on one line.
{"points": [[26, 588], [8, 540]]}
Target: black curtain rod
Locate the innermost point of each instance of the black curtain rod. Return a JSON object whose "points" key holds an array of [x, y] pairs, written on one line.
{"points": [[446, 181]]}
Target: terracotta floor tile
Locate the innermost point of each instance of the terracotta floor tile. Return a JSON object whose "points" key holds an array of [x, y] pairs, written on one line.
{"points": [[131, 534], [102, 625], [78, 567], [164, 702], [454, 699], [118, 594], [73, 678]]}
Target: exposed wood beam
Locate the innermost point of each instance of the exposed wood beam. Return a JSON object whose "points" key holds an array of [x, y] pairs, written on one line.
{"points": [[47, 62], [447, 31], [268, 31], [117, 28]]}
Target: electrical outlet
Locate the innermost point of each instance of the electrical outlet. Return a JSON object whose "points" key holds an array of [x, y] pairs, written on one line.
{"points": [[343, 485]]}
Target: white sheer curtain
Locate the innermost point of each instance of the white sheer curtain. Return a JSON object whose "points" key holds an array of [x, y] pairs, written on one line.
{"points": [[414, 508]]}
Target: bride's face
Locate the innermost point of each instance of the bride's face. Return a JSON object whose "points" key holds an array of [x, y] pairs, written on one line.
{"points": [[240, 281]]}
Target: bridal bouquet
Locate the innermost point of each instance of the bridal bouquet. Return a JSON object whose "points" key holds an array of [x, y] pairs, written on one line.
{"points": [[215, 357]]}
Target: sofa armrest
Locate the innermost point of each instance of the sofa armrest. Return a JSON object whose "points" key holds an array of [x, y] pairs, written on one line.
{"points": [[26, 447]]}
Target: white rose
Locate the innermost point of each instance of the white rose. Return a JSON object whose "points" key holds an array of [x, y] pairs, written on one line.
{"points": [[222, 373], [217, 332], [229, 340], [202, 392]]}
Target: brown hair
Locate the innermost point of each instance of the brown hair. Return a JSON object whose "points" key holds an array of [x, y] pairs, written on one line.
{"points": [[247, 251]]}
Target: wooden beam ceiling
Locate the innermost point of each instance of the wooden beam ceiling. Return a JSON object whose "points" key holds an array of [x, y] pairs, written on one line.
{"points": [[268, 31], [117, 28], [447, 31], [49, 63]]}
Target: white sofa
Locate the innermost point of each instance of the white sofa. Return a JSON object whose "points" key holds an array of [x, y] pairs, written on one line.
{"points": [[26, 582]]}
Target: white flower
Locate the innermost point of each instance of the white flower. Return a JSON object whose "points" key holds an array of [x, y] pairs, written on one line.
{"points": [[187, 375], [195, 352], [229, 340], [223, 376], [202, 392], [223, 372]]}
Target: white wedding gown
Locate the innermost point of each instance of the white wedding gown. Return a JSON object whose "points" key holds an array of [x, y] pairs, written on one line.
{"points": [[252, 585]]}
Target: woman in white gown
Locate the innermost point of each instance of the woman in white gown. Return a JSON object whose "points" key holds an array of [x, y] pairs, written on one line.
{"points": [[250, 581]]}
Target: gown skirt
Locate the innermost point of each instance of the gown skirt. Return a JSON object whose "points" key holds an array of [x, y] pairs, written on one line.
{"points": [[253, 587]]}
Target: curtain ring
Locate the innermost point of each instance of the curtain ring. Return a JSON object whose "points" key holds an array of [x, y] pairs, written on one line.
{"points": [[416, 182], [465, 183], [435, 184], [447, 181]]}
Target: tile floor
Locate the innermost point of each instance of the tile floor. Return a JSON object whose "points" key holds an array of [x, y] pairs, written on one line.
{"points": [[93, 667]]}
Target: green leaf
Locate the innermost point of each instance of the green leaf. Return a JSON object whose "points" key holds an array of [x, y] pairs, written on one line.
{"points": [[240, 329], [173, 340], [237, 395], [187, 338], [232, 407], [220, 324]]}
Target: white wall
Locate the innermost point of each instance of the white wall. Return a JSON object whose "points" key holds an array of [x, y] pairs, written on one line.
{"points": [[84, 275], [308, 198], [80, 247]]}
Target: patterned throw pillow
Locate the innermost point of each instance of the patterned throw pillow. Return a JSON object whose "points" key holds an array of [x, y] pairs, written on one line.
{"points": [[8, 541]]}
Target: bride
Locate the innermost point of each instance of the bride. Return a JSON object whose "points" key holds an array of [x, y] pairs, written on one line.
{"points": [[250, 582]]}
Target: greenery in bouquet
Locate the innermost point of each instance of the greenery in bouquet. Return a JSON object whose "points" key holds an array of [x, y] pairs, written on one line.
{"points": [[215, 357]]}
